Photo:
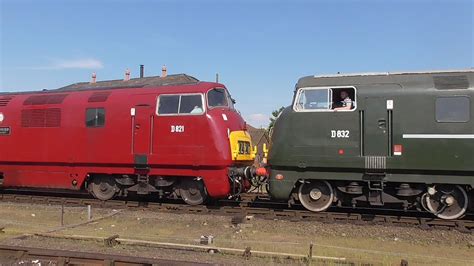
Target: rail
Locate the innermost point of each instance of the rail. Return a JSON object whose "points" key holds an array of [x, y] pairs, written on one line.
{"points": [[34, 256], [260, 207]]}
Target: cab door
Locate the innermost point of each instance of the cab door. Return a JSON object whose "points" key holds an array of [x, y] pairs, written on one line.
{"points": [[376, 127], [141, 138], [179, 125]]}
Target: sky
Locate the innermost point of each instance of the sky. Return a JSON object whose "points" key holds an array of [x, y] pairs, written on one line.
{"points": [[259, 48]]}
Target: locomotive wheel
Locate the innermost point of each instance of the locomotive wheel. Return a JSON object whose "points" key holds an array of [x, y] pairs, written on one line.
{"points": [[103, 187], [449, 202], [316, 195], [192, 192]]}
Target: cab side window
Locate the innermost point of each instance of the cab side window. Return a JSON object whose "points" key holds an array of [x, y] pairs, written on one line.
{"points": [[191, 104], [453, 109], [95, 117], [180, 104], [325, 99], [343, 99], [168, 104], [313, 99]]}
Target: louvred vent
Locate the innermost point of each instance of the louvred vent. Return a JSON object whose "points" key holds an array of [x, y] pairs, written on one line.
{"points": [[45, 99], [50, 117], [99, 97], [451, 82], [5, 100]]}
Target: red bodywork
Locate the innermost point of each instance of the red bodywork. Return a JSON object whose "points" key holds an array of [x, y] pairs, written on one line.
{"points": [[62, 157]]}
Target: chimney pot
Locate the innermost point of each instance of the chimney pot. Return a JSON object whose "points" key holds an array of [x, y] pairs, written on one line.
{"points": [[164, 72], [142, 71], [94, 77], [127, 75]]}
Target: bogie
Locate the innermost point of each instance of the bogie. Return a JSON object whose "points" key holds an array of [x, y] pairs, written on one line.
{"points": [[190, 189], [445, 201]]}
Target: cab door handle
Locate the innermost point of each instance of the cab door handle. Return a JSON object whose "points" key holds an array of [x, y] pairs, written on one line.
{"points": [[382, 123]]}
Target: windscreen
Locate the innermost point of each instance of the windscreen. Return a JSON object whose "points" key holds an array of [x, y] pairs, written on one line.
{"points": [[217, 98]]}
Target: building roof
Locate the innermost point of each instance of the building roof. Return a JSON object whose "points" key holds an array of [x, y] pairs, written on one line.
{"points": [[256, 134], [449, 79], [153, 81]]}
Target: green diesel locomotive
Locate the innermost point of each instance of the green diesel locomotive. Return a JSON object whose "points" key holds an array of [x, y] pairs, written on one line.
{"points": [[377, 139]]}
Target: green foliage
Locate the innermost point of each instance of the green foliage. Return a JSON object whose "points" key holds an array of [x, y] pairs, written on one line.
{"points": [[274, 116]]}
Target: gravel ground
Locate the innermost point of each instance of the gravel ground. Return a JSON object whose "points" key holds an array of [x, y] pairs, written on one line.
{"points": [[376, 244]]}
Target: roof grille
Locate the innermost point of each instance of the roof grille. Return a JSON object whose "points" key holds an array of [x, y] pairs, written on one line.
{"points": [[45, 99], [99, 97], [451, 82], [5, 100], [50, 117]]}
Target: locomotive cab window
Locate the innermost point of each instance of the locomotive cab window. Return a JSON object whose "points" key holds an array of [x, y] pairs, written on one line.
{"points": [[191, 104], [313, 99], [95, 117], [453, 109], [218, 98], [325, 99], [168, 104], [343, 99], [185, 104]]}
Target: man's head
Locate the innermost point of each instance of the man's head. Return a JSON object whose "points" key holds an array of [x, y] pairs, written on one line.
{"points": [[344, 94]]}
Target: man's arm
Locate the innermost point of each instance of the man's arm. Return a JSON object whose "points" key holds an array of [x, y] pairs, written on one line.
{"points": [[347, 107]]}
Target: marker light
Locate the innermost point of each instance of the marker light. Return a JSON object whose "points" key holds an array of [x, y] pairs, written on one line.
{"points": [[397, 149], [341, 152], [279, 177]]}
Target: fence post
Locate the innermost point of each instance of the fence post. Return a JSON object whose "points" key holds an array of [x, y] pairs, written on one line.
{"points": [[89, 212], [62, 214]]}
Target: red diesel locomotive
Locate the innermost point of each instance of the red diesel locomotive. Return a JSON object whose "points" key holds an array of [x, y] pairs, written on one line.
{"points": [[172, 135]]}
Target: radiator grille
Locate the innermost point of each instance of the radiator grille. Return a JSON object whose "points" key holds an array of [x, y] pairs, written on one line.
{"points": [[5, 100], [41, 117], [451, 82], [375, 162], [45, 99]]}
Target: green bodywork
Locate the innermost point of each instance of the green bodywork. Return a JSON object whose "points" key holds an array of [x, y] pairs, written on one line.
{"points": [[303, 148]]}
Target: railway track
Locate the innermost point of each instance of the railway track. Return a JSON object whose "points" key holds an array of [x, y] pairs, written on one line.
{"points": [[257, 206], [10, 255]]}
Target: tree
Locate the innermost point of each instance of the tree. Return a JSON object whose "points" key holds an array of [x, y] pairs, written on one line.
{"points": [[274, 117]]}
